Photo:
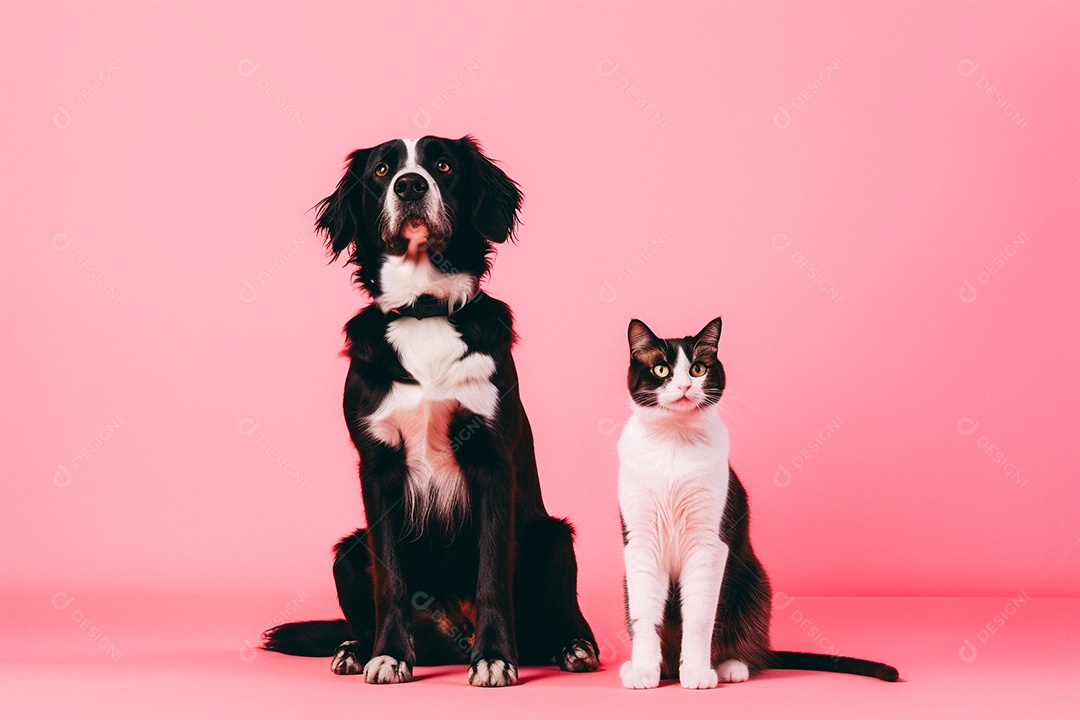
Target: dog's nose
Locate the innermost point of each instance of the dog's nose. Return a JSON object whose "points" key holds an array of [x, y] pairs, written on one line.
{"points": [[410, 186]]}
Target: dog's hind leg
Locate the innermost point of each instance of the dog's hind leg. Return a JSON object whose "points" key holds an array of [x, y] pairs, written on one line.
{"points": [[356, 595], [550, 626]]}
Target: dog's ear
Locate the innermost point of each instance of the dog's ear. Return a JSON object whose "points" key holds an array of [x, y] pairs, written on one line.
{"points": [[340, 216], [498, 198]]}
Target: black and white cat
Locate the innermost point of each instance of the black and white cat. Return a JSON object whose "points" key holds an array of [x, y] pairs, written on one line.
{"points": [[698, 601]]}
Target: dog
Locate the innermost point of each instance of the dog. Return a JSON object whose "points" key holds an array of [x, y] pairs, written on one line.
{"points": [[460, 561]]}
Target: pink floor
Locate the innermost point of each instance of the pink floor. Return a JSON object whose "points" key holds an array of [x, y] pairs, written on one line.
{"points": [[75, 657]]}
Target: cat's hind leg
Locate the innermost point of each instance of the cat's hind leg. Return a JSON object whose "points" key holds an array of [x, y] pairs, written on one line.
{"points": [[741, 641], [733, 671]]}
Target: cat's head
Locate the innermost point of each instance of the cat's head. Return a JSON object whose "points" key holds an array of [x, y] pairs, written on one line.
{"points": [[680, 374]]}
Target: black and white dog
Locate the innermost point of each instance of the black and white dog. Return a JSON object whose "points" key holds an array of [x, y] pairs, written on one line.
{"points": [[460, 561]]}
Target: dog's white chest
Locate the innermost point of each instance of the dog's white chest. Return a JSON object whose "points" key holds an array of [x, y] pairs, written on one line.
{"points": [[448, 379]]}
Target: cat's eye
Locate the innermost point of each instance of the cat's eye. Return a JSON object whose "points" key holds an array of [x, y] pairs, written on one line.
{"points": [[381, 169], [442, 166], [661, 371], [697, 369]]}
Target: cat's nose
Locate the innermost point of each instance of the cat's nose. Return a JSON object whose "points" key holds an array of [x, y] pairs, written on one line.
{"points": [[683, 388]]}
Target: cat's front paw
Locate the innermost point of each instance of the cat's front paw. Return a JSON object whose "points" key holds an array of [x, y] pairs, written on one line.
{"points": [[694, 678], [637, 677]]}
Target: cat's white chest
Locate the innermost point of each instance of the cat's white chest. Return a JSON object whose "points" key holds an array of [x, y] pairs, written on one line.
{"points": [[673, 488], [448, 379]]}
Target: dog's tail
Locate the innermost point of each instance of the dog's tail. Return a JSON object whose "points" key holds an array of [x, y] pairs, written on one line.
{"points": [[315, 638], [833, 663]]}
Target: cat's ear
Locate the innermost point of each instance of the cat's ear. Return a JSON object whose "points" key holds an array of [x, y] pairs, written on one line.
{"points": [[709, 337], [641, 338]]}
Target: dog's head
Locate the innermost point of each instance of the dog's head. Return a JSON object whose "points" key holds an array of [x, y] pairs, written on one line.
{"points": [[419, 216]]}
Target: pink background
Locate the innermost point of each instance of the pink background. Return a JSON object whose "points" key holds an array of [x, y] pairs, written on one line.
{"points": [[832, 178]]}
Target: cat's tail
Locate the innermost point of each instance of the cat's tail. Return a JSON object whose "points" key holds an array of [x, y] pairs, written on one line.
{"points": [[317, 638], [833, 663]]}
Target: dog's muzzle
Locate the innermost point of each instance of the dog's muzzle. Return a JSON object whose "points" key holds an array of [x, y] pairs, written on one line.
{"points": [[414, 209]]}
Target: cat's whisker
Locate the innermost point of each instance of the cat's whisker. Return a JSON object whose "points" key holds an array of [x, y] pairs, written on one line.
{"points": [[742, 397], [726, 403], [734, 414]]}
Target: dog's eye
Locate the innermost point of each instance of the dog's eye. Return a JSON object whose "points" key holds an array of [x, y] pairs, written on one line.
{"points": [[661, 371], [442, 166], [381, 169], [697, 369]]}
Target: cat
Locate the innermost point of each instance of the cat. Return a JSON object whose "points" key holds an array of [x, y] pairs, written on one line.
{"points": [[698, 601]]}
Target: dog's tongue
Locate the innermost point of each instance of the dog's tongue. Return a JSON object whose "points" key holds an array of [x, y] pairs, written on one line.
{"points": [[416, 234]]}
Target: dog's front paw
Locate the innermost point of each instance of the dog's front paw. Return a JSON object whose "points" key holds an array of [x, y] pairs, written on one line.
{"points": [[697, 678], [347, 659], [637, 677], [578, 656], [385, 670], [492, 673]]}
